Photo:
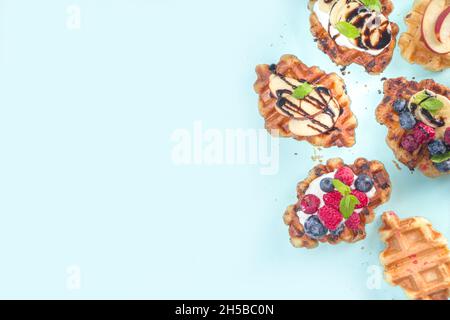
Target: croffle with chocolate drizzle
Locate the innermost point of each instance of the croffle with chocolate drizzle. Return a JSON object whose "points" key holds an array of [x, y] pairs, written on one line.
{"points": [[417, 116], [349, 31], [321, 114]]}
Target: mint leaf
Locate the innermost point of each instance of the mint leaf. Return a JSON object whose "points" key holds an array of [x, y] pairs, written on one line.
{"points": [[347, 29], [344, 206], [373, 4], [341, 187], [433, 105], [439, 158], [347, 205], [419, 97], [302, 90]]}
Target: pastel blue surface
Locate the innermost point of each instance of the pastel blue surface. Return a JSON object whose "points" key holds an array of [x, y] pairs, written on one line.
{"points": [[87, 177]]}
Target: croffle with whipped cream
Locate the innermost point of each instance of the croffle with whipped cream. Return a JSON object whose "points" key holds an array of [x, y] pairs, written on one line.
{"points": [[355, 31]]}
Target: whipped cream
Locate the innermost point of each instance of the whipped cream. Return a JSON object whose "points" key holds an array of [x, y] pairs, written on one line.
{"points": [[314, 188], [341, 40]]}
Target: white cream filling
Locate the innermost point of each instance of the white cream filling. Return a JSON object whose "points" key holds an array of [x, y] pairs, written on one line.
{"points": [[314, 188], [341, 40]]}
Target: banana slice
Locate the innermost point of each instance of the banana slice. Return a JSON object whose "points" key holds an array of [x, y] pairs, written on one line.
{"points": [[315, 114], [440, 120]]}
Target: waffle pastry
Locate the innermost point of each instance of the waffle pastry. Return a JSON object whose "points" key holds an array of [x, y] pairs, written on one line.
{"points": [[412, 45], [285, 123], [404, 89], [416, 257], [344, 56], [381, 182]]}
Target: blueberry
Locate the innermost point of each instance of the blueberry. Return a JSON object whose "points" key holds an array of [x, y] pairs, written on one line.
{"points": [[437, 147], [399, 105], [314, 228], [407, 120], [326, 185], [443, 166], [363, 183], [336, 233]]}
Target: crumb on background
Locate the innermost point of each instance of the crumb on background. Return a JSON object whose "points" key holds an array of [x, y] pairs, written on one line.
{"points": [[317, 157], [397, 165]]}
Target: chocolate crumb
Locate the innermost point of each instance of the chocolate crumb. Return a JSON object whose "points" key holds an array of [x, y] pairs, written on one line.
{"points": [[397, 165]]}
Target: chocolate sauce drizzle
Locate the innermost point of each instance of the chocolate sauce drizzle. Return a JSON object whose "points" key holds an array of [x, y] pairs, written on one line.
{"points": [[290, 109], [361, 17], [427, 114]]}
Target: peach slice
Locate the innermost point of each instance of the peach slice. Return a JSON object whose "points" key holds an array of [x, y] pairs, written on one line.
{"points": [[442, 27], [432, 13]]}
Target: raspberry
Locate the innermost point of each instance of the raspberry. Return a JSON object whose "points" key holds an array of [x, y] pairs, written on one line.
{"points": [[330, 217], [447, 136], [332, 199], [310, 204], [423, 133], [353, 222], [409, 143], [346, 175], [363, 200]]}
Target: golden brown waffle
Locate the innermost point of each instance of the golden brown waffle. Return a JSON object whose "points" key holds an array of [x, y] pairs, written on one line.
{"points": [[382, 183], [412, 46], [275, 122], [404, 89], [416, 257], [345, 56]]}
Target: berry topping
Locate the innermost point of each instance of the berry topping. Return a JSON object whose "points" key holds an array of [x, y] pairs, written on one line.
{"points": [[409, 143], [423, 133], [353, 222], [333, 199], [345, 174], [447, 136], [330, 217], [399, 105], [364, 183], [336, 233], [442, 167], [437, 147], [363, 199], [314, 227], [326, 185], [407, 120], [310, 204]]}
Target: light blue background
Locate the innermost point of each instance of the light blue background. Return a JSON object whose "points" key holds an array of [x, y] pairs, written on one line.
{"points": [[86, 175]]}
